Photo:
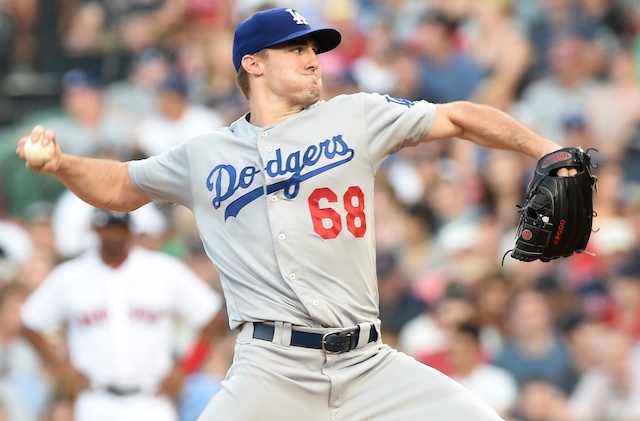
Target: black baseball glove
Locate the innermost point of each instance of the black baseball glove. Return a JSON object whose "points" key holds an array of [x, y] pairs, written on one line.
{"points": [[556, 218]]}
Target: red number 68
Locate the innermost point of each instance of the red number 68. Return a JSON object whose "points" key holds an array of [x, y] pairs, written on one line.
{"points": [[327, 222]]}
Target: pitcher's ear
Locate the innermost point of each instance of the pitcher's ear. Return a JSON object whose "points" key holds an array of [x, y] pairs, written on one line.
{"points": [[251, 64]]}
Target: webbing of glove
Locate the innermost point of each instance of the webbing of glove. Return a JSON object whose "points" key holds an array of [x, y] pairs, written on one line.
{"points": [[557, 216]]}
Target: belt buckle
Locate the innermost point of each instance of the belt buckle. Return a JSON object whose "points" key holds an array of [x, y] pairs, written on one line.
{"points": [[323, 342], [119, 391]]}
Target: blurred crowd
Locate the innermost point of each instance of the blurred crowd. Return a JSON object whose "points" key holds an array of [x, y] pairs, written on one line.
{"points": [[557, 341]]}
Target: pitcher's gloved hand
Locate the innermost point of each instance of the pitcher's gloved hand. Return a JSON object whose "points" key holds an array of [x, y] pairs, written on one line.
{"points": [[557, 216]]}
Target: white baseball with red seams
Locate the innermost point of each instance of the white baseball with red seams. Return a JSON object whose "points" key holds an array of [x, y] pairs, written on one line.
{"points": [[38, 153]]}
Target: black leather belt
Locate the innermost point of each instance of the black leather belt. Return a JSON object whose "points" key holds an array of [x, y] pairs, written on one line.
{"points": [[333, 342], [121, 391]]}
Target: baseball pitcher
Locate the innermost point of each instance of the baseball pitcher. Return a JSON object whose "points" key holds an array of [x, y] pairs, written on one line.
{"points": [[283, 199]]}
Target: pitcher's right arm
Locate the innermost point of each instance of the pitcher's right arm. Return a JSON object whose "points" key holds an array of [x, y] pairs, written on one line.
{"points": [[100, 182]]}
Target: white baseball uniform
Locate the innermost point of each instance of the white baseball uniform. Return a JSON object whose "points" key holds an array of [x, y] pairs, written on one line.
{"points": [[286, 214], [119, 325]]}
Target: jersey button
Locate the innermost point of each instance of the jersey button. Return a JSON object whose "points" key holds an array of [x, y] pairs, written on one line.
{"points": [[264, 134], [316, 302], [292, 276], [269, 149], [274, 198], [282, 236]]}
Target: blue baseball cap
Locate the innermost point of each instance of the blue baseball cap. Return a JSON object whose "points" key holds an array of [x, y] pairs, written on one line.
{"points": [[175, 83], [276, 26], [80, 79]]}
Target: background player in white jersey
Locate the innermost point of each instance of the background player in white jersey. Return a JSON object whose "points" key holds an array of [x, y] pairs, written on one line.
{"points": [[283, 199], [118, 302]]}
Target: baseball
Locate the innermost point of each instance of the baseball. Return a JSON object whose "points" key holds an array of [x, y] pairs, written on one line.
{"points": [[37, 153]]}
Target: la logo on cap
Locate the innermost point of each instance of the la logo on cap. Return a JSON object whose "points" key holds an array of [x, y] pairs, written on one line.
{"points": [[297, 17], [273, 27]]}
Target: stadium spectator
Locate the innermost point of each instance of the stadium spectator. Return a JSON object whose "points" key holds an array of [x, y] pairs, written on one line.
{"points": [[139, 24], [468, 247], [404, 16], [630, 193], [614, 244], [43, 256], [541, 400], [494, 385], [561, 94], [534, 348], [214, 85], [373, 70], [499, 45], [492, 293], [398, 303], [82, 40], [407, 75], [623, 311], [611, 388], [177, 119], [426, 336], [613, 110], [445, 196], [23, 380], [631, 156], [559, 18], [583, 334], [613, 16], [500, 195], [389, 211], [419, 253], [446, 73], [7, 35], [200, 386], [137, 94], [16, 246]]}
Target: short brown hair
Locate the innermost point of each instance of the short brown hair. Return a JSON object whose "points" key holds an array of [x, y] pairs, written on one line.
{"points": [[242, 77]]}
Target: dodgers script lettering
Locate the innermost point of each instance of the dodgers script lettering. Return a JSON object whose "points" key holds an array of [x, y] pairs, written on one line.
{"points": [[226, 180]]}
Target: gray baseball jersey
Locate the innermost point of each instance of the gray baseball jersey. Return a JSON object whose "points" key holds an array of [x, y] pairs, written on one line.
{"points": [[286, 211]]}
